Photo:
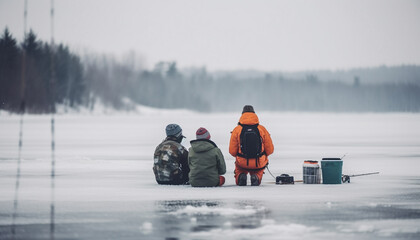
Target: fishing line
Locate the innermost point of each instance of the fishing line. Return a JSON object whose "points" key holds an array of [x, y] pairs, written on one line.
{"points": [[22, 113], [270, 172], [17, 184], [52, 110]]}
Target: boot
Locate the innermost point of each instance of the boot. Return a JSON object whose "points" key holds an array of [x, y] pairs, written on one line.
{"points": [[242, 179], [254, 180]]}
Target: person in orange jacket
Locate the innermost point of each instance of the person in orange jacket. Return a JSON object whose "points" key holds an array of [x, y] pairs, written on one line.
{"points": [[244, 144]]}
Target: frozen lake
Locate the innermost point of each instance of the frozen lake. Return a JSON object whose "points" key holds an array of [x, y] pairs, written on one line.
{"points": [[105, 189]]}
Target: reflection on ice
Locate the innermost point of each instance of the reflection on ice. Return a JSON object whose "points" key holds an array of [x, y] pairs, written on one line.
{"points": [[395, 229], [198, 217], [209, 219], [205, 210], [175, 205]]}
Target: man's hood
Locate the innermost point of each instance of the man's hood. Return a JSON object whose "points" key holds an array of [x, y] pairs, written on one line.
{"points": [[202, 145], [249, 118]]}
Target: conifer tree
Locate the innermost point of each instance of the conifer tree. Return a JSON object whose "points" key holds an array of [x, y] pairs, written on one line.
{"points": [[9, 72]]}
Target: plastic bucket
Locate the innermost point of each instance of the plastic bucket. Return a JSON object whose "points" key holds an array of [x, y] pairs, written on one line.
{"points": [[311, 172], [332, 169]]}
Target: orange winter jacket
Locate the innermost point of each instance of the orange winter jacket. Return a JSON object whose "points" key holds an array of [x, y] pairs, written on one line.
{"points": [[250, 118]]}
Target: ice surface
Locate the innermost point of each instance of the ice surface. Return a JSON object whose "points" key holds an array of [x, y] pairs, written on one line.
{"points": [[105, 187]]}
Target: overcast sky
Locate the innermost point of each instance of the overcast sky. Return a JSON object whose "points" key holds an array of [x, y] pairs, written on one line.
{"points": [[232, 34]]}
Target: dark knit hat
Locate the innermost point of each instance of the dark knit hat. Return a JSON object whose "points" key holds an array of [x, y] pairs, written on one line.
{"points": [[173, 130], [202, 133], [248, 108]]}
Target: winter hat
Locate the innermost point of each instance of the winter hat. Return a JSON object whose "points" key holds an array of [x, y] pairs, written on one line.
{"points": [[173, 130], [202, 133], [248, 108]]}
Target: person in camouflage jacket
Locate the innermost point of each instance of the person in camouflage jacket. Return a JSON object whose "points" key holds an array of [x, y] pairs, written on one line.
{"points": [[171, 158]]}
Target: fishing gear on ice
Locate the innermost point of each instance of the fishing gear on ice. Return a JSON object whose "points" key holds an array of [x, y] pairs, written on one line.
{"points": [[346, 178]]}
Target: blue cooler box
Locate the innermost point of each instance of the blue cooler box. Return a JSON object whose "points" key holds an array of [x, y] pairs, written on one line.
{"points": [[332, 169]]}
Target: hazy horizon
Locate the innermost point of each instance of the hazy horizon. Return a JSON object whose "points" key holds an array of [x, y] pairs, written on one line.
{"points": [[231, 35]]}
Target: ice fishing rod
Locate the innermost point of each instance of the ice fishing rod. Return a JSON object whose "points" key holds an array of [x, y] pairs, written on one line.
{"points": [[346, 178]]}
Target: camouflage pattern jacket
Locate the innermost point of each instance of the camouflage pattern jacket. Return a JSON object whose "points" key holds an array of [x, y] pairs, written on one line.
{"points": [[171, 162]]}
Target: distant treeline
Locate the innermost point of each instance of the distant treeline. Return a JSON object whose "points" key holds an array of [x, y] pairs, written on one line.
{"points": [[43, 76]]}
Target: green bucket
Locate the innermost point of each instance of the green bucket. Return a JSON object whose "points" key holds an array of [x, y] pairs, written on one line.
{"points": [[332, 169]]}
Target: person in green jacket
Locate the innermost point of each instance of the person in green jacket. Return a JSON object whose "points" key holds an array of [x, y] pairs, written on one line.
{"points": [[206, 161]]}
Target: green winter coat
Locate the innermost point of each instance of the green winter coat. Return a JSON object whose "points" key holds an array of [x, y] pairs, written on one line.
{"points": [[206, 163]]}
